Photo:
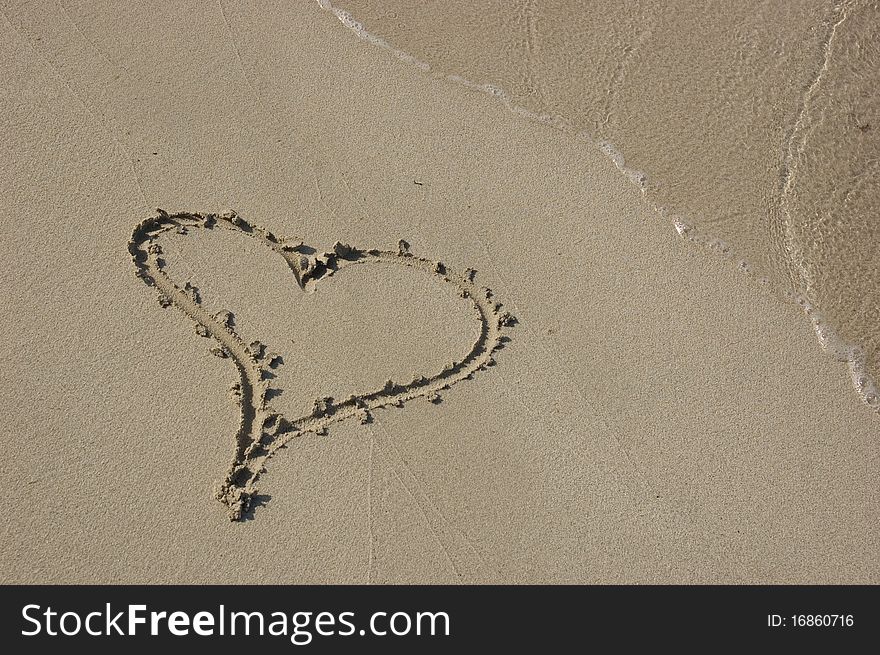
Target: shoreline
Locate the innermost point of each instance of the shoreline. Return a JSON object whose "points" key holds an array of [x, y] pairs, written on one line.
{"points": [[851, 353], [657, 416]]}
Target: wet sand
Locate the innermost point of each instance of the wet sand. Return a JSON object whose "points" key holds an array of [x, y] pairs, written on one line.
{"points": [[754, 123], [657, 414]]}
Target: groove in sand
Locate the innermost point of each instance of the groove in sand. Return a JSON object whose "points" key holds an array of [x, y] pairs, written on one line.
{"points": [[262, 431]]}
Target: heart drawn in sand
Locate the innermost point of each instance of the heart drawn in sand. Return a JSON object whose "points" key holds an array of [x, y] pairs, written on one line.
{"points": [[262, 431]]}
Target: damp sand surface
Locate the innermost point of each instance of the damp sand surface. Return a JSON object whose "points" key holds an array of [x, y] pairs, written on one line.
{"points": [[754, 123], [656, 415]]}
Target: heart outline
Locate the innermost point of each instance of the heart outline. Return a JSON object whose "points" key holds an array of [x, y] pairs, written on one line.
{"points": [[262, 431]]}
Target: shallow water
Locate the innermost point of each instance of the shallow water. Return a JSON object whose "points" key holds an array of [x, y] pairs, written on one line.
{"points": [[752, 125]]}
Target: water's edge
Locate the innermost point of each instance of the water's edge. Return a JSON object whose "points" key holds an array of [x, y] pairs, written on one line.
{"points": [[830, 341]]}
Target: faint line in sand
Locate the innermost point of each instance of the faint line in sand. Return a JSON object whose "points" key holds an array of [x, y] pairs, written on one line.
{"points": [[108, 130]]}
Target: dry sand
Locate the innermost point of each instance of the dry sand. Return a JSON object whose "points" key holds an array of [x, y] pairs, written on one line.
{"points": [[658, 415]]}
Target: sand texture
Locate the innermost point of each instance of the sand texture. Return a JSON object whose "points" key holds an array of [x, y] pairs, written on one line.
{"points": [[400, 332], [751, 123]]}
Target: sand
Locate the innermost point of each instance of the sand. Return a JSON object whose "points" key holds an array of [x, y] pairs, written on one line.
{"points": [[753, 122], [656, 414]]}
